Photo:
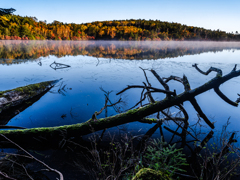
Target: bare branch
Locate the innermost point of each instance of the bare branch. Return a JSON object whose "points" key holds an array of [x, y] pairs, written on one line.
{"points": [[235, 67], [151, 100], [201, 114], [94, 116], [174, 132], [180, 125], [32, 157], [183, 110], [204, 142], [225, 98], [183, 80], [238, 99], [173, 135], [22, 167], [166, 87], [175, 78], [186, 83], [155, 89], [230, 141], [6, 176], [56, 66], [145, 75], [219, 71]]}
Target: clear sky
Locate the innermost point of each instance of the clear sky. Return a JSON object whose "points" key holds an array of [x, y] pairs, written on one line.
{"points": [[209, 14]]}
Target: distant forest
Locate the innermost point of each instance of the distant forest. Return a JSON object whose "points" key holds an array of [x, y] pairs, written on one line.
{"points": [[15, 27]]}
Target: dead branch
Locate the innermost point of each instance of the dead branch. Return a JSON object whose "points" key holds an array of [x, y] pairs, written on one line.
{"points": [[56, 66], [21, 165], [145, 76], [219, 71], [6, 176], [201, 114], [155, 90], [148, 93], [183, 80], [174, 132], [32, 157], [94, 116], [225, 98], [184, 129], [238, 99], [166, 87], [204, 142], [175, 78]]}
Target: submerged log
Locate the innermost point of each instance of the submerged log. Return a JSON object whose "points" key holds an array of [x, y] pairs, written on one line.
{"points": [[17, 100], [52, 135]]}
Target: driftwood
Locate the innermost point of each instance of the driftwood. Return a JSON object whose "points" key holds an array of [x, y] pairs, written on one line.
{"points": [[14, 101], [52, 135], [56, 66]]}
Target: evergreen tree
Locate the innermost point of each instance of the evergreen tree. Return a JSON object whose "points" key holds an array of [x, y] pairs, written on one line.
{"points": [[6, 11]]}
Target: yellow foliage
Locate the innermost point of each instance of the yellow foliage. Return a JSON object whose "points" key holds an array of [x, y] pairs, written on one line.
{"points": [[3, 18], [13, 24], [83, 28], [101, 32]]}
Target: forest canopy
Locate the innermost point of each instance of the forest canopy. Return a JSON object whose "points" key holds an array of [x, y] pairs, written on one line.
{"points": [[15, 27]]}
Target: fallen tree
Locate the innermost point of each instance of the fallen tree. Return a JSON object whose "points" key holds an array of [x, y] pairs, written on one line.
{"points": [[51, 136], [17, 96], [14, 101]]}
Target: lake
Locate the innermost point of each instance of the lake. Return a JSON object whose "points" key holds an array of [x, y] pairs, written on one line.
{"points": [[87, 68]]}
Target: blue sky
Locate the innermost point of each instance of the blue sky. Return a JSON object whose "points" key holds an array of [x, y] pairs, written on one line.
{"points": [[209, 14]]}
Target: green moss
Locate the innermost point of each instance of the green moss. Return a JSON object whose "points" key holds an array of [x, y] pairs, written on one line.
{"points": [[30, 89], [150, 174]]}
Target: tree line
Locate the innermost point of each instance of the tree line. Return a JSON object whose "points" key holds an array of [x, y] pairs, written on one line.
{"points": [[15, 27]]}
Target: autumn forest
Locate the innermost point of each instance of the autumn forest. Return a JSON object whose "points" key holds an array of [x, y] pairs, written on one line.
{"points": [[15, 27]]}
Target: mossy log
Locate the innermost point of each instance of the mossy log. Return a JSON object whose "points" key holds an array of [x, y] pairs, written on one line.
{"points": [[14, 97], [150, 174], [36, 137], [14, 101]]}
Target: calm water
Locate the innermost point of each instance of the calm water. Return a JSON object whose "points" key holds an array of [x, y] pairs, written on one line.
{"points": [[113, 66]]}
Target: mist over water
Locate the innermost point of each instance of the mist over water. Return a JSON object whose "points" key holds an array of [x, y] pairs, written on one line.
{"points": [[14, 51], [113, 65]]}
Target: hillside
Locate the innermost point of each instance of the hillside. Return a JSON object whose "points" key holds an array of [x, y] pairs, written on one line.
{"points": [[16, 28]]}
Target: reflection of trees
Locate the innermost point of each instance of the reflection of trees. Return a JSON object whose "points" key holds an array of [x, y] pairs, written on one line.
{"points": [[13, 51]]}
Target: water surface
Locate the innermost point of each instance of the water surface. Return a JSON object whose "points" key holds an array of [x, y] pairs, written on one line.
{"points": [[112, 66]]}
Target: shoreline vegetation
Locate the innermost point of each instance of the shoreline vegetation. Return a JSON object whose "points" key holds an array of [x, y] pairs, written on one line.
{"points": [[15, 27]]}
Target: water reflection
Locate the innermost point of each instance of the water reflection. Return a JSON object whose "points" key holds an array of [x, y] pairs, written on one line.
{"points": [[22, 51]]}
